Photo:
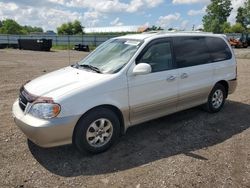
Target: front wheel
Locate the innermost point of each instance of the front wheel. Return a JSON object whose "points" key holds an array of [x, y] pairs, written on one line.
{"points": [[96, 131], [216, 99]]}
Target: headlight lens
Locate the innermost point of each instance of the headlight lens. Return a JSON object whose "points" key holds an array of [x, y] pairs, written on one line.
{"points": [[45, 110]]}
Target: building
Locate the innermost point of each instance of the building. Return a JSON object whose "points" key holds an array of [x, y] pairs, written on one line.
{"points": [[115, 29]]}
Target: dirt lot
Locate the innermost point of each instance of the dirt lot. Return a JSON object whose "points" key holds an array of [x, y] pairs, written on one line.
{"points": [[188, 149]]}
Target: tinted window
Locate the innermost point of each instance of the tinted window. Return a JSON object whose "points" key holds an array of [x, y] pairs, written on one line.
{"points": [[219, 50], [158, 55], [191, 51]]}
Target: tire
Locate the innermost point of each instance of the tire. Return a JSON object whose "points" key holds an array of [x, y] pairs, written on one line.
{"points": [[216, 99], [96, 131]]}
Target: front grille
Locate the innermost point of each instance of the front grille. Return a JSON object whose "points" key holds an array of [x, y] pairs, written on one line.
{"points": [[25, 98], [22, 101]]}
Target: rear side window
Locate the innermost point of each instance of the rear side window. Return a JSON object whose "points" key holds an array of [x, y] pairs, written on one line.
{"points": [[191, 51], [218, 48]]}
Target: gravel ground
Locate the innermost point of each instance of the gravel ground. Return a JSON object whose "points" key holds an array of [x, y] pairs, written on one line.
{"points": [[188, 149]]}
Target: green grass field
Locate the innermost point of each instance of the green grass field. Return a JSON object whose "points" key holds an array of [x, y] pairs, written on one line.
{"points": [[69, 47]]}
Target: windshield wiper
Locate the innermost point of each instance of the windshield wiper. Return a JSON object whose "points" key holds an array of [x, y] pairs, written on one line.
{"points": [[76, 65], [90, 67]]}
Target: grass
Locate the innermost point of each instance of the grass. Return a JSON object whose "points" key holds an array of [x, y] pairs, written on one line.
{"points": [[62, 47], [67, 47]]}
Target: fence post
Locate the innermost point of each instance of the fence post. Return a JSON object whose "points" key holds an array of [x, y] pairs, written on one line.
{"points": [[19, 37], [68, 42], [95, 40], [8, 39]]}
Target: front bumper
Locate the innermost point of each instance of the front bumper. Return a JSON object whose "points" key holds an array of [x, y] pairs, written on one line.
{"points": [[45, 133]]}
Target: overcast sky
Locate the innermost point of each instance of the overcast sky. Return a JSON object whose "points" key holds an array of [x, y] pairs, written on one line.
{"points": [[49, 14]]}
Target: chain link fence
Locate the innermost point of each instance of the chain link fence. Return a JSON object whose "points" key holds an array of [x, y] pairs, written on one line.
{"points": [[91, 40]]}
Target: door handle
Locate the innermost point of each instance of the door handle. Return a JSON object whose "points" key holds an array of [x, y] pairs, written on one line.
{"points": [[184, 75], [171, 78]]}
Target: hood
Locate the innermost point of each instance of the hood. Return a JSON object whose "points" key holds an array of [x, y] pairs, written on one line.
{"points": [[64, 80]]}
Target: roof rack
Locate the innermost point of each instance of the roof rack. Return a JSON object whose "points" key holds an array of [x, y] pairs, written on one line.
{"points": [[195, 32], [150, 32], [174, 31]]}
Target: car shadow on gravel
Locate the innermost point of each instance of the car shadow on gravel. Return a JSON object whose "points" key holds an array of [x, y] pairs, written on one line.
{"points": [[180, 133]]}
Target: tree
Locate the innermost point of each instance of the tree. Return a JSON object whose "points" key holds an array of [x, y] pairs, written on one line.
{"points": [[243, 15], [240, 18], [237, 28], [247, 13], [77, 27], [70, 28], [226, 27], [64, 29], [30, 29], [217, 13], [10, 26]]}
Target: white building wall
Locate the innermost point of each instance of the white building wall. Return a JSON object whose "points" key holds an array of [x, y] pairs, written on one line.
{"points": [[111, 29]]}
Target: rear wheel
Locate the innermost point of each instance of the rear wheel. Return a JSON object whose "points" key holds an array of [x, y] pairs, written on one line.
{"points": [[216, 99], [96, 131]]}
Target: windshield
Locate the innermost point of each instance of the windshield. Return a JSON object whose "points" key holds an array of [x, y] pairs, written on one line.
{"points": [[111, 56]]}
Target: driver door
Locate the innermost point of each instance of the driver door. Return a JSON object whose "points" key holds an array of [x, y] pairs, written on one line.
{"points": [[155, 94]]}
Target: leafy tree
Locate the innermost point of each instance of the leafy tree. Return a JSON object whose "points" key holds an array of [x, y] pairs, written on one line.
{"points": [[226, 27], [240, 18], [243, 15], [77, 27], [64, 29], [237, 28], [10, 26], [30, 29], [247, 14], [217, 13], [70, 28]]}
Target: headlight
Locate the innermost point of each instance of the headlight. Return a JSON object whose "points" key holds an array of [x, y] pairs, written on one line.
{"points": [[45, 110]]}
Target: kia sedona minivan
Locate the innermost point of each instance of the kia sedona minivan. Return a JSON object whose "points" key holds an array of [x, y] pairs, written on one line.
{"points": [[126, 81]]}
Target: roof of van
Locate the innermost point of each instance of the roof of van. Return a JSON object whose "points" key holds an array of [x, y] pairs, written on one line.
{"points": [[159, 34]]}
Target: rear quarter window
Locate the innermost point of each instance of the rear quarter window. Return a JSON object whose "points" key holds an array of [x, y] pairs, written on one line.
{"points": [[218, 49]]}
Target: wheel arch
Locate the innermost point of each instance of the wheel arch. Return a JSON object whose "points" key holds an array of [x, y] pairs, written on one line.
{"points": [[225, 84], [113, 108]]}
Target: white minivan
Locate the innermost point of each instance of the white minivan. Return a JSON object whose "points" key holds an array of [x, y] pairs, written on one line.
{"points": [[126, 81]]}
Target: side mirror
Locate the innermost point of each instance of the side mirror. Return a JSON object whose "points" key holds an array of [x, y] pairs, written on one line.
{"points": [[142, 68]]}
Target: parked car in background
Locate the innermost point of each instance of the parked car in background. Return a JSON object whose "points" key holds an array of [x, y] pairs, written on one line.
{"points": [[240, 42], [126, 81]]}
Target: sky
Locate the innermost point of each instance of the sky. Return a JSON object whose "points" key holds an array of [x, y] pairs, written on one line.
{"points": [[49, 14]]}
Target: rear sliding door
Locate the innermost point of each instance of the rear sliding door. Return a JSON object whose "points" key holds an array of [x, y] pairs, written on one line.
{"points": [[195, 69]]}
